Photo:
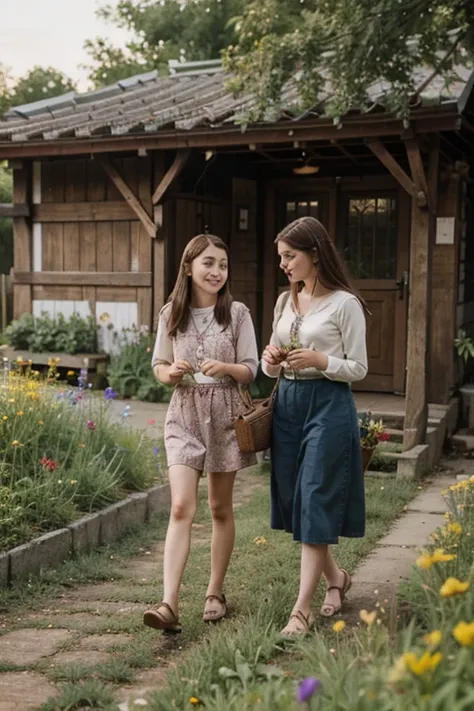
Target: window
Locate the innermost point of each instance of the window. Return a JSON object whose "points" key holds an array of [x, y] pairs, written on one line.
{"points": [[292, 210], [369, 242]]}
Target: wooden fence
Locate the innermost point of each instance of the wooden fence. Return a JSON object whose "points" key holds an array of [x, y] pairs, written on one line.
{"points": [[6, 300]]}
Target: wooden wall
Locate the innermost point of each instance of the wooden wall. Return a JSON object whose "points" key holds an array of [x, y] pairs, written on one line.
{"points": [[244, 247]]}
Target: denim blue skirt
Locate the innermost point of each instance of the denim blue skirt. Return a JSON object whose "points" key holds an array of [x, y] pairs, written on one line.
{"points": [[317, 482]]}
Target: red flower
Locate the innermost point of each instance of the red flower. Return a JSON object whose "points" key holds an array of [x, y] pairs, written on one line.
{"points": [[384, 437], [90, 425], [151, 422], [48, 464]]}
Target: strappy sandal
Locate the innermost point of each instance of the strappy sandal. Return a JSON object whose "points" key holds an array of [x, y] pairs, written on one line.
{"points": [[305, 624], [212, 615], [328, 609], [169, 623]]}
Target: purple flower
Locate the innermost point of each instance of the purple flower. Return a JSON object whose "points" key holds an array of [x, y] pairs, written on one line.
{"points": [[307, 688], [90, 425], [110, 394], [156, 450]]}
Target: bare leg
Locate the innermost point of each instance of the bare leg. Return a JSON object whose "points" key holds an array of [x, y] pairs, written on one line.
{"points": [[221, 486], [313, 561], [334, 578], [184, 490]]}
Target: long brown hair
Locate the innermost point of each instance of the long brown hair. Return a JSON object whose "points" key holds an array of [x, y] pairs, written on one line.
{"points": [[307, 234], [181, 295]]}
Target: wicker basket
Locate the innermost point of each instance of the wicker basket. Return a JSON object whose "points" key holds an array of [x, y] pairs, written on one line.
{"points": [[367, 453]]}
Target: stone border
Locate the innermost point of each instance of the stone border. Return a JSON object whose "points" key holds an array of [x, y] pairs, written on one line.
{"points": [[83, 535]]}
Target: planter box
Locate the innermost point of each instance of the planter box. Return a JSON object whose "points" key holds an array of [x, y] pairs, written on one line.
{"points": [[92, 361]]}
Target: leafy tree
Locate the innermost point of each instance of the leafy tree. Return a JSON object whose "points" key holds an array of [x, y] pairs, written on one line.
{"points": [[170, 29], [342, 47], [40, 83]]}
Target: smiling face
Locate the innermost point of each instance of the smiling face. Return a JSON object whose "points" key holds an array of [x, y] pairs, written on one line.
{"points": [[209, 271], [297, 265]]}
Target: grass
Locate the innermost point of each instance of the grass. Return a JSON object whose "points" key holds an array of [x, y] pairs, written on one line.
{"points": [[261, 585]]}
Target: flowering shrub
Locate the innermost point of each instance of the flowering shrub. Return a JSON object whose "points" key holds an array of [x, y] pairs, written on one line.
{"points": [[60, 456], [371, 431]]}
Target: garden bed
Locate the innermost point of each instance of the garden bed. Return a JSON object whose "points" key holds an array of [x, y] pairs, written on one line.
{"points": [[92, 361], [62, 459]]}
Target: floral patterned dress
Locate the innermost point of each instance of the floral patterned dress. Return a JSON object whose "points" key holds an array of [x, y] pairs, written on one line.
{"points": [[199, 428]]}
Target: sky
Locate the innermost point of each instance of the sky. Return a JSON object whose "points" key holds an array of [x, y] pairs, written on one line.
{"points": [[51, 33]]}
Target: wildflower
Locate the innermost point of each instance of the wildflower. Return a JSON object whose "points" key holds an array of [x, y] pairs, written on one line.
{"points": [[110, 394], [48, 464], [156, 450], [194, 701], [11, 400], [40, 422], [464, 633], [398, 670], [455, 528], [453, 586], [70, 372], [433, 638], [260, 541], [4, 418], [90, 425], [339, 626], [307, 688], [81, 445], [73, 481], [16, 443], [20, 413], [368, 617], [422, 665], [425, 561], [104, 317], [151, 422]]}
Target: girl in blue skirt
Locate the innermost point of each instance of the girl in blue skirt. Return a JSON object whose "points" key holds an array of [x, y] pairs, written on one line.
{"points": [[318, 347]]}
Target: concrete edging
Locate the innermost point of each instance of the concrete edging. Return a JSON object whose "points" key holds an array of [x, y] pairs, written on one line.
{"points": [[82, 535]]}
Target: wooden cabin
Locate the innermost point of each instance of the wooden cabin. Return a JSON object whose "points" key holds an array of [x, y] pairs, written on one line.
{"points": [[110, 185]]}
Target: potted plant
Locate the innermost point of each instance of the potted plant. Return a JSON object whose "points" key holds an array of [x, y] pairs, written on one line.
{"points": [[371, 433]]}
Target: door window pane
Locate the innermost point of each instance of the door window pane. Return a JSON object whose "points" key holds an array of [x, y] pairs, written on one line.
{"points": [[369, 244], [294, 209]]}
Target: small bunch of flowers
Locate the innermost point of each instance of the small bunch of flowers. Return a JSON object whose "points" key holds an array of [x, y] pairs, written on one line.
{"points": [[371, 431], [48, 464]]}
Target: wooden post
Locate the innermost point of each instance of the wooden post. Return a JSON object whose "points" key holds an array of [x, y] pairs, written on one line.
{"points": [[163, 227], [423, 225], [22, 240]]}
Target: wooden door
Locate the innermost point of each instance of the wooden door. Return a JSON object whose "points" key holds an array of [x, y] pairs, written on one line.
{"points": [[373, 236]]}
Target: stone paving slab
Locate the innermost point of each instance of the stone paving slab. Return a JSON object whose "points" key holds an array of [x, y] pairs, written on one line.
{"points": [[413, 529], [87, 658], [24, 690], [103, 642], [385, 565], [27, 646]]}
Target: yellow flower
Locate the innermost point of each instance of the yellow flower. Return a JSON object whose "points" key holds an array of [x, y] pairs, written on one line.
{"points": [[398, 670], [20, 413], [454, 528], [73, 481], [194, 701], [339, 626], [453, 586], [81, 446], [433, 638], [70, 372], [10, 400], [439, 556], [422, 665], [260, 540], [464, 633], [4, 418], [104, 317], [368, 617], [424, 561], [40, 422], [16, 443]]}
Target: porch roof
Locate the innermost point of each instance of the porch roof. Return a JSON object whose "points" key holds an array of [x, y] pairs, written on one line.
{"points": [[149, 105]]}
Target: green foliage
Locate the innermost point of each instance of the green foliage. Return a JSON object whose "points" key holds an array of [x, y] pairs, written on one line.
{"points": [[47, 334], [38, 83], [91, 694], [6, 225], [161, 31], [60, 456], [130, 372], [464, 345], [345, 46]]}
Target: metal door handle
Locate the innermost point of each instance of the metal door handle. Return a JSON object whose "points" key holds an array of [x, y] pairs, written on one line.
{"points": [[402, 284]]}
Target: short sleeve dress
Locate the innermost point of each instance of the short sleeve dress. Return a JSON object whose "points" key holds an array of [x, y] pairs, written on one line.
{"points": [[199, 427]]}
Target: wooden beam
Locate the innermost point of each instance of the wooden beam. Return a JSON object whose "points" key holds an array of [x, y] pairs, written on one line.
{"points": [[22, 239], [129, 195], [170, 176], [14, 210], [165, 217], [417, 170], [82, 278], [423, 226], [103, 211], [386, 158]]}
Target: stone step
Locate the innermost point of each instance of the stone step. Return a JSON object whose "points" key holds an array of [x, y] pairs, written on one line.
{"points": [[463, 441]]}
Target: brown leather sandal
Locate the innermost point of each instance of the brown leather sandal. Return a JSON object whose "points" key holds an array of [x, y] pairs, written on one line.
{"points": [[212, 615], [169, 622], [303, 627], [328, 609]]}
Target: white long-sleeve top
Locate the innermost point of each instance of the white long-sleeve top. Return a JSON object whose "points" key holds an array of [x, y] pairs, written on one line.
{"points": [[335, 326]]}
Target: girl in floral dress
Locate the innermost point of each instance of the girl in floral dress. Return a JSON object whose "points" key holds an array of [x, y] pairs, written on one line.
{"points": [[206, 347]]}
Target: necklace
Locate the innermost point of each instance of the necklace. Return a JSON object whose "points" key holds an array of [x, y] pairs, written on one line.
{"points": [[200, 338]]}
